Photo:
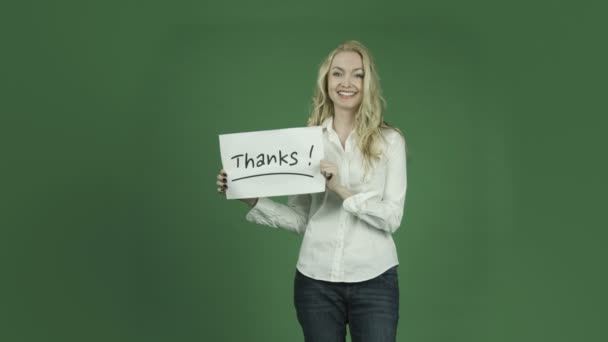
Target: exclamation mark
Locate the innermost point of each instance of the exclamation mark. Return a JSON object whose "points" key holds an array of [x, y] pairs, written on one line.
{"points": [[310, 154]]}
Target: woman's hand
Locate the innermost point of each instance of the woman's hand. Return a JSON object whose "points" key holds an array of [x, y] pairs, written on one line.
{"points": [[222, 180], [330, 171]]}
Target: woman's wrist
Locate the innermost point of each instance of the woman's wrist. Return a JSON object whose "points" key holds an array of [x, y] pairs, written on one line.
{"points": [[251, 202], [343, 192]]}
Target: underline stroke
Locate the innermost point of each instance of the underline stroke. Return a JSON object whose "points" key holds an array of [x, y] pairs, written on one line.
{"points": [[274, 173]]}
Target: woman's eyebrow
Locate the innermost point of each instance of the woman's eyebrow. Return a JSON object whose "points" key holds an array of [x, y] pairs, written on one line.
{"points": [[355, 69]]}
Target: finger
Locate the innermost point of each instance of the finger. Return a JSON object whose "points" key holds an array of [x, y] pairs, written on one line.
{"points": [[222, 179], [330, 170]]}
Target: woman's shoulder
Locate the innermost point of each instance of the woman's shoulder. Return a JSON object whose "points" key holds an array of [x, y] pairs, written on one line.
{"points": [[392, 135]]}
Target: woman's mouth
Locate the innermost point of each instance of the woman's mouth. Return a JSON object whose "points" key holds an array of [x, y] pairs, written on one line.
{"points": [[347, 94]]}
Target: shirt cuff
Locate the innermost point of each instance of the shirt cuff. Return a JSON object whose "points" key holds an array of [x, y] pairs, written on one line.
{"points": [[263, 205], [355, 204]]}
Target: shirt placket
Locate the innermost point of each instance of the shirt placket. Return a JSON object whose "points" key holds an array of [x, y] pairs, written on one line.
{"points": [[344, 166]]}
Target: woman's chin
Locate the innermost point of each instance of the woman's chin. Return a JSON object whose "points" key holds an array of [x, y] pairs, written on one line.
{"points": [[347, 106]]}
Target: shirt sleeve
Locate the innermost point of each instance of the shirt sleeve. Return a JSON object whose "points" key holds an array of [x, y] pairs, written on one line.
{"points": [[384, 210], [292, 216]]}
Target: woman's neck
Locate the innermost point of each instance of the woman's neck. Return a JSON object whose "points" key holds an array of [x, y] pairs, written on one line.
{"points": [[344, 121]]}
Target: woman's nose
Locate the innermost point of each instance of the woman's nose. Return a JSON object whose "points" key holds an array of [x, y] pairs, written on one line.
{"points": [[346, 81]]}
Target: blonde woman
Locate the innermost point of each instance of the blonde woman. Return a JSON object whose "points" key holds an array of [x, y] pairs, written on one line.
{"points": [[346, 272]]}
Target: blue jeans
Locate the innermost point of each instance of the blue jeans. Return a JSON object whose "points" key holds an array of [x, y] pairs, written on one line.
{"points": [[370, 308]]}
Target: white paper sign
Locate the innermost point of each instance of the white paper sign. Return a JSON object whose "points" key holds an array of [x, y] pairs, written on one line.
{"points": [[273, 163]]}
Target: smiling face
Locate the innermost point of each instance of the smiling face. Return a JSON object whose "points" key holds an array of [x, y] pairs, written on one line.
{"points": [[345, 81]]}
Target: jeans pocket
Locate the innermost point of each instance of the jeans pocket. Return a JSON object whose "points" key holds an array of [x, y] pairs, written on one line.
{"points": [[390, 277]]}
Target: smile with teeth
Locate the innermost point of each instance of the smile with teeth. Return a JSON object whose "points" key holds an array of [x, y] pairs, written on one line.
{"points": [[347, 94]]}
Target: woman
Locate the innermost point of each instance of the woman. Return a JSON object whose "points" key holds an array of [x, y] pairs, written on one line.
{"points": [[347, 268]]}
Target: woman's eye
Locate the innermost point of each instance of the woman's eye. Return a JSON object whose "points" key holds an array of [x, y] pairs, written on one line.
{"points": [[359, 75], [336, 74]]}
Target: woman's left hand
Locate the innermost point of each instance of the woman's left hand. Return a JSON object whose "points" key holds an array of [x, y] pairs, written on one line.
{"points": [[330, 171]]}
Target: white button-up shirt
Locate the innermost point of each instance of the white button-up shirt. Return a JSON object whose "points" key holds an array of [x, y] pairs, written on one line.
{"points": [[346, 240]]}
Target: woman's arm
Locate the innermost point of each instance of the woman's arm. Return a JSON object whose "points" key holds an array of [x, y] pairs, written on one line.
{"points": [[384, 212], [292, 216]]}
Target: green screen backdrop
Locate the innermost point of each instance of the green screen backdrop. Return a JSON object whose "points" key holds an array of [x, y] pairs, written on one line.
{"points": [[111, 227]]}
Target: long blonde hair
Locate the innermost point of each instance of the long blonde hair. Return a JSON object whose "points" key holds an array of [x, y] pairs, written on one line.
{"points": [[369, 119]]}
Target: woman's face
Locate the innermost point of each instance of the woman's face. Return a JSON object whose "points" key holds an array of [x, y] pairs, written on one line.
{"points": [[345, 80]]}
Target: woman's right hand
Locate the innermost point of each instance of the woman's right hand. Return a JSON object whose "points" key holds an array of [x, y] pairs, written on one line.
{"points": [[222, 185]]}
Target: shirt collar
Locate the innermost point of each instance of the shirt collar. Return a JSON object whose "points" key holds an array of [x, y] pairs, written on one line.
{"points": [[327, 123]]}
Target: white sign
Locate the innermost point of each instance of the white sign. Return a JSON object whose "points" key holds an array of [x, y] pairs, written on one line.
{"points": [[273, 163]]}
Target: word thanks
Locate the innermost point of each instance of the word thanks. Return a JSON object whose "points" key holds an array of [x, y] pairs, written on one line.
{"points": [[265, 159]]}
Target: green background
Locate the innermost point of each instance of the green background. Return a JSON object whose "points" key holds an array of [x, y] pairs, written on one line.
{"points": [[111, 228]]}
